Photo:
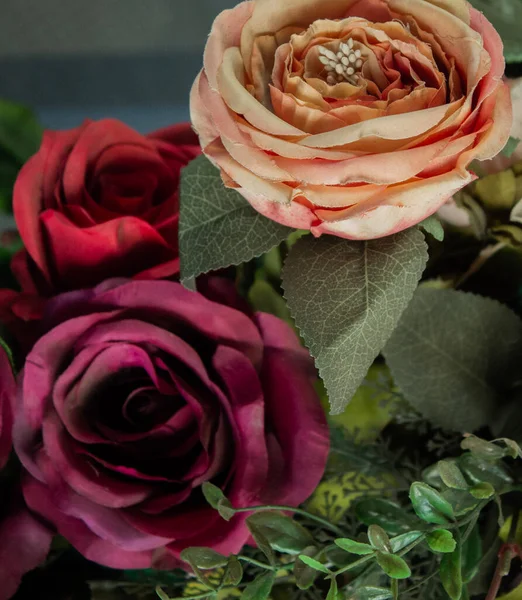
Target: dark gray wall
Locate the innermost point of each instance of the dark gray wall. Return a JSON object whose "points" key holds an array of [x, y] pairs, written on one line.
{"points": [[131, 59]]}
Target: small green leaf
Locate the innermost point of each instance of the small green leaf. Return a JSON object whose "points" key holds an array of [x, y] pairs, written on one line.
{"points": [[161, 594], [441, 540], [513, 449], [313, 564], [461, 501], [260, 588], [394, 566], [400, 542], [482, 449], [478, 470], [510, 147], [233, 572], [390, 516], [437, 334], [306, 574], [203, 558], [353, 547], [213, 495], [333, 592], [429, 505], [379, 538], [433, 226], [262, 542], [346, 298], [471, 555], [20, 132], [281, 532], [451, 475], [373, 593], [218, 227], [450, 574], [482, 491]]}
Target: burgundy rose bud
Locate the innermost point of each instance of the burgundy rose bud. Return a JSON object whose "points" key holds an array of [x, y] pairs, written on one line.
{"points": [[100, 201], [141, 391]]}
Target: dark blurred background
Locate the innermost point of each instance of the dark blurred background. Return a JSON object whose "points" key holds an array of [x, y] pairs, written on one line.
{"points": [[130, 59]]}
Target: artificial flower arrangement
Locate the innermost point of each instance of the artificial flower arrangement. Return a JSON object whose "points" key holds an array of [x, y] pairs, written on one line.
{"points": [[276, 352]]}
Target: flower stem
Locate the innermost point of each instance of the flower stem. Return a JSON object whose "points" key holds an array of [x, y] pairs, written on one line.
{"points": [[297, 511]]}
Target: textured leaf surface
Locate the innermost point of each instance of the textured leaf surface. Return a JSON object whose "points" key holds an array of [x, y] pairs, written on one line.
{"points": [[506, 16], [453, 354], [434, 227], [218, 227], [346, 298]]}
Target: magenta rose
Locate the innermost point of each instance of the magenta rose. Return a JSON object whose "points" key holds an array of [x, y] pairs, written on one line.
{"points": [[138, 393], [24, 541]]}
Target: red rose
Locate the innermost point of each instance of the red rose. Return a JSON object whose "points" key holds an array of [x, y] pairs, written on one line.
{"points": [[141, 391], [24, 541], [100, 201]]}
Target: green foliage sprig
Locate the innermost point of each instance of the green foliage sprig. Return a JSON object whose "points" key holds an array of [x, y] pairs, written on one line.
{"points": [[446, 508]]}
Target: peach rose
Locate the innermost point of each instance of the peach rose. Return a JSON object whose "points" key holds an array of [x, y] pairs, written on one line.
{"points": [[356, 118]]}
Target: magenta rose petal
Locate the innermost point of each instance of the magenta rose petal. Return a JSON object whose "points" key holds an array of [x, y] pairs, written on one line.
{"points": [[24, 545], [287, 374]]}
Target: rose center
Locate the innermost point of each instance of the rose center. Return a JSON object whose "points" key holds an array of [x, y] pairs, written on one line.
{"points": [[344, 64]]}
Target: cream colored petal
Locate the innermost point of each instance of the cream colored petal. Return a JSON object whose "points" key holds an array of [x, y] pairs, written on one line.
{"points": [[456, 38], [398, 208], [338, 196], [460, 8], [293, 215], [200, 115], [385, 168], [276, 192], [290, 149], [270, 16], [231, 84], [396, 127], [225, 33], [453, 214], [516, 213]]}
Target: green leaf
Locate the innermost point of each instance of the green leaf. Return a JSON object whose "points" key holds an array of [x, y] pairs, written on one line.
{"points": [[478, 470], [471, 555], [450, 574], [262, 542], [346, 298], [513, 449], [453, 354], [461, 501], [433, 226], [233, 572], [313, 563], [260, 588], [353, 547], [482, 448], [482, 491], [282, 533], [394, 566], [429, 505], [441, 540], [333, 592], [305, 574], [20, 132], [400, 542], [161, 594], [215, 497], [264, 298], [378, 511], [218, 227], [203, 558], [373, 593], [505, 16], [379, 538], [451, 475], [511, 145]]}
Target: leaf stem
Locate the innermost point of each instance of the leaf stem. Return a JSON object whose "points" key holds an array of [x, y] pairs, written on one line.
{"points": [[505, 556], [297, 511], [355, 564], [257, 563]]}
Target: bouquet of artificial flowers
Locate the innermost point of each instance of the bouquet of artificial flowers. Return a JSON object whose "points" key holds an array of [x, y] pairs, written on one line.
{"points": [[275, 352]]}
